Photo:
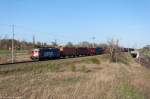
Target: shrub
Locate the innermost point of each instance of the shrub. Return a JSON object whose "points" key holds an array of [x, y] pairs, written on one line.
{"points": [[124, 58], [95, 60], [115, 53]]}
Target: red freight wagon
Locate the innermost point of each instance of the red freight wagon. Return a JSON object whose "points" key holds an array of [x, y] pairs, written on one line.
{"points": [[82, 51], [91, 51], [67, 51], [106, 50]]}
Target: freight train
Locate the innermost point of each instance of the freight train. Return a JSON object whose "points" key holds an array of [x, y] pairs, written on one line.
{"points": [[55, 53]]}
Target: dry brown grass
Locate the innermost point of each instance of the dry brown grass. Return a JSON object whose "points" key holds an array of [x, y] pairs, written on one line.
{"points": [[104, 81]]}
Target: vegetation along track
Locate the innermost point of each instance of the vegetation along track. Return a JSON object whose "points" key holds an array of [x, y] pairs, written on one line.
{"points": [[28, 63]]}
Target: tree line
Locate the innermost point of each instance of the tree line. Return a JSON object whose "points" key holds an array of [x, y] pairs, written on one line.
{"points": [[6, 44]]}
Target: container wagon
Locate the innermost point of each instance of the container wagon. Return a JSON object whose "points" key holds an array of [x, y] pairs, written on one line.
{"points": [[82, 51], [67, 51], [91, 51]]}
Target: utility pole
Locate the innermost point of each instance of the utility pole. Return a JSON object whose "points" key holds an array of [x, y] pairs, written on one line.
{"points": [[33, 41], [93, 38], [12, 49]]}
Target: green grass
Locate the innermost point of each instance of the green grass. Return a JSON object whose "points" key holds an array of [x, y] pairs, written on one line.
{"points": [[55, 66], [36, 69], [125, 58], [93, 60], [147, 53], [5, 52], [8, 52], [124, 87], [24, 69], [129, 92]]}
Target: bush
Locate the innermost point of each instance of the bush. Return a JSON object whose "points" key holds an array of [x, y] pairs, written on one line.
{"points": [[95, 60], [115, 53], [125, 58], [121, 57]]}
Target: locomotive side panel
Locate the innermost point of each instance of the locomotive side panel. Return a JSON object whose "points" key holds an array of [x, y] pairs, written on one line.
{"points": [[45, 53]]}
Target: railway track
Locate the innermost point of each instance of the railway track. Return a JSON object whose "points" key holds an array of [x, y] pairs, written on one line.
{"points": [[40, 62], [143, 60]]}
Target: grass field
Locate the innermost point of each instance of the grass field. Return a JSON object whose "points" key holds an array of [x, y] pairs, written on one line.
{"points": [[8, 52], [19, 55], [76, 78], [5, 52]]}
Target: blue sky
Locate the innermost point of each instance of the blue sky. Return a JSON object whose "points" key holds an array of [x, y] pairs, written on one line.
{"points": [[77, 20]]}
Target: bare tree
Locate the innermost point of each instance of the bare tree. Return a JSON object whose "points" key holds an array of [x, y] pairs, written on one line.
{"points": [[69, 44], [102, 45], [113, 46], [54, 43], [85, 44]]}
